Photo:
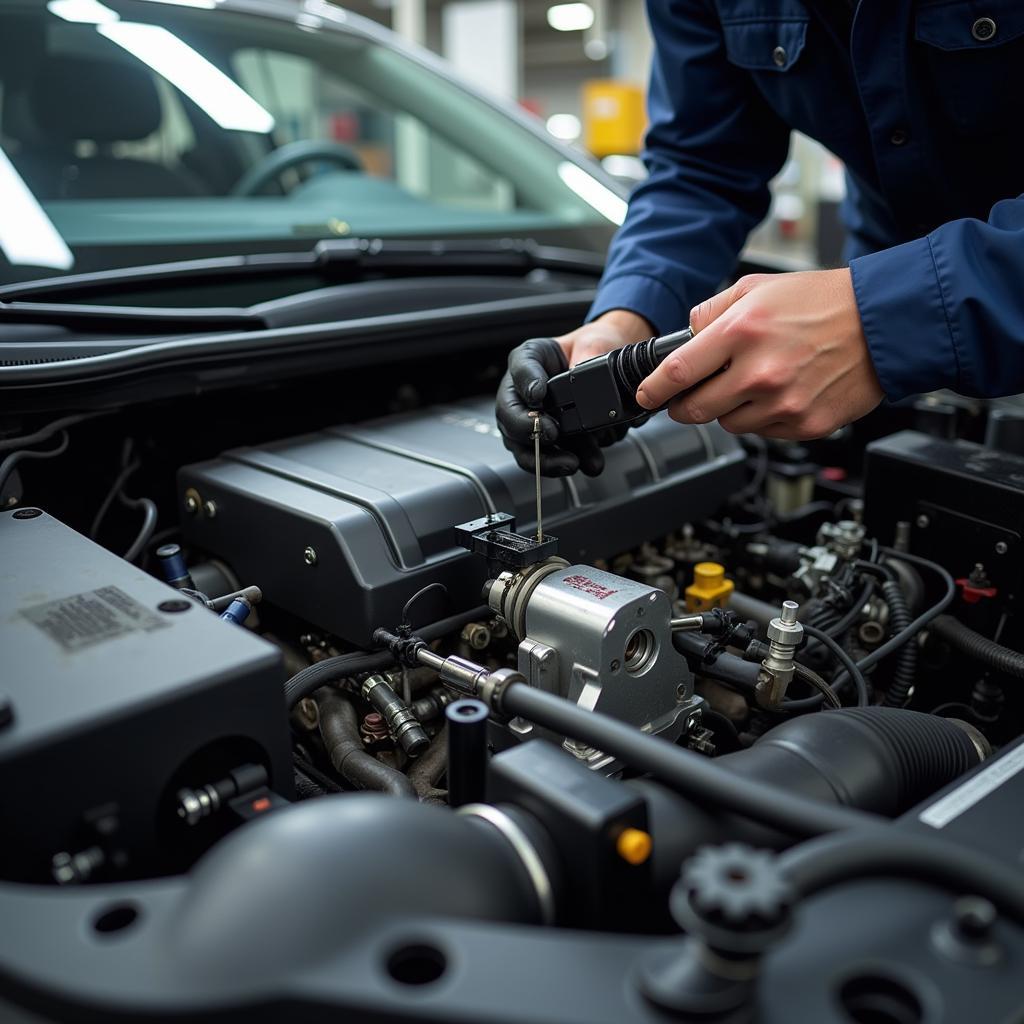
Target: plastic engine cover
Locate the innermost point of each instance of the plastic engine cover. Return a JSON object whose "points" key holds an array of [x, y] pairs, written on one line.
{"points": [[342, 527]]}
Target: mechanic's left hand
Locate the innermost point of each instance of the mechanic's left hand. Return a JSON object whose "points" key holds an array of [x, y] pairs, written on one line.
{"points": [[796, 362]]}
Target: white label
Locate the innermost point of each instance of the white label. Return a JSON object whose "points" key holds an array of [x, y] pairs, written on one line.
{"points": [[964, 797]]}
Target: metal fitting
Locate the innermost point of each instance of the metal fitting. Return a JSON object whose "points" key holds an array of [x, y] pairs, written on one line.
{"points": [[196, 804], [784, 636], [401, 721], [844, 537]]}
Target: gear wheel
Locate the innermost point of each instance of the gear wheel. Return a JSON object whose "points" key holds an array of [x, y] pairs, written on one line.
{"points": [[736, 888]]}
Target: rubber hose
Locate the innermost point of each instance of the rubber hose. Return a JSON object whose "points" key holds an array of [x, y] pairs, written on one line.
{"points": [[882, 760], [331, 670], [683, 771], [811, 867], [906, 663], [726, 668], [978, 647], [340, 731]]}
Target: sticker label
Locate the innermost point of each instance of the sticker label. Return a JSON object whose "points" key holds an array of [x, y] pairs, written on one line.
{"points": [[93, 617], [974, 790], [589, 586]]}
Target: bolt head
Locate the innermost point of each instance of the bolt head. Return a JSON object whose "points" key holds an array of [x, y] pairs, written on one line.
{"points": [[309, 556], [210, 509], [1002, 547], [191, 504], [612, 414], [922, 522]]}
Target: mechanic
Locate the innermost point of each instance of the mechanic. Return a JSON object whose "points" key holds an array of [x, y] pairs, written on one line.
{"points": [[923, 102]]}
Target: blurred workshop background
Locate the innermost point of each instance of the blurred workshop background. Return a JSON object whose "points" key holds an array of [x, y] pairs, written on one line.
{"points": [[581, 67]]}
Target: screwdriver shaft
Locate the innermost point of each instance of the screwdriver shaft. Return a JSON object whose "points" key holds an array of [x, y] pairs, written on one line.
{"points": [[536, 473]]}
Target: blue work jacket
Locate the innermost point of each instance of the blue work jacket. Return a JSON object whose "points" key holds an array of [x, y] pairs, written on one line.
{"points": [[923, 100]]}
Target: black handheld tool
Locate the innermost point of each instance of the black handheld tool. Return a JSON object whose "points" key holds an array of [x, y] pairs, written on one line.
{"points": [[601, 392]]}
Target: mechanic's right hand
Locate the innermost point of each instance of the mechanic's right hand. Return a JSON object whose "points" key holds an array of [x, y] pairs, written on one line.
{"points": [[525, 385]]}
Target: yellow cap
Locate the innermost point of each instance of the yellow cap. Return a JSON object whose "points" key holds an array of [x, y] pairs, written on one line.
{"points": [[708, 574], [633, 845]]}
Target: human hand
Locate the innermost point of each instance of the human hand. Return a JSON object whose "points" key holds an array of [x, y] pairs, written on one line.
{"points": [[524, 387], [796, 361]]}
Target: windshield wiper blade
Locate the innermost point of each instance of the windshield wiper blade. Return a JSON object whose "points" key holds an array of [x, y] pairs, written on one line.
{"points": [[150, 320], [336, 260]]}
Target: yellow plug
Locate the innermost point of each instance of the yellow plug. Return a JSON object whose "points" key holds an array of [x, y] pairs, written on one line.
{"points": [[709, 589]]}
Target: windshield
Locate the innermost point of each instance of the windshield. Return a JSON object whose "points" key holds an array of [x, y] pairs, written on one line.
{"points": [[135, 131]]}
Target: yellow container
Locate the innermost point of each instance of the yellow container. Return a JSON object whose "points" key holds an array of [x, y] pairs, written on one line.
{"points": [[613, 117], [709, 589]]}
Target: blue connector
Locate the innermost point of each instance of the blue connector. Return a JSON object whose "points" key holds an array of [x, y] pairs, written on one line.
{"points": [[172, 565], [237, 612]]}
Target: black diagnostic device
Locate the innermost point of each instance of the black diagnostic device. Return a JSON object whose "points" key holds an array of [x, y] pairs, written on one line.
{"points": [[601, 392]]}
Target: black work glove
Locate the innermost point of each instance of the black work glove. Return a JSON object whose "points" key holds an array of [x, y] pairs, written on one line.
{"points": [[524, 386]]}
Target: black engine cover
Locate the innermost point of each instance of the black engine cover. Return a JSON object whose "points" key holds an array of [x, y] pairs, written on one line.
{"points": [[343, 526]]}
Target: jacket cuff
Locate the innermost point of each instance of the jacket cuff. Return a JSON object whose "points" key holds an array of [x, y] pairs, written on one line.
{"points": [[644, 295], [903, 313]]}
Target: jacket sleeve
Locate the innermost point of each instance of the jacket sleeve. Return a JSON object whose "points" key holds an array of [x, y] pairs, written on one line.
{"points": [[947, 310], [712, 146]]}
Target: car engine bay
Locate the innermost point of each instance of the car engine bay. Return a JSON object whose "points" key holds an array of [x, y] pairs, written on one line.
{"points": [[352, 733]]}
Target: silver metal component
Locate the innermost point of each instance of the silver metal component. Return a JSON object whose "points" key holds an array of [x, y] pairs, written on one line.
{"points": [[844, 537], [196, 804], [922, 522], [309, 556], [819, 563], [398, 716], [1001, 547], [210, 509], [536, 474], [784, 636], [477, 635], [599, 640], [687, 624], [509, 594], [74, 868], [193, 502], [523, 849], [464, 675]]}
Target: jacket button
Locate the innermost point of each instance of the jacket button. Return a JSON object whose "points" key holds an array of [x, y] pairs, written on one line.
{"points": [[899, 137], [779, 56], [983, 29]]}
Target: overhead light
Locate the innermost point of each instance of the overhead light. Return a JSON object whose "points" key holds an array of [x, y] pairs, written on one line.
{"points": [[591, 191], [207, 86], [566, 127], [84, 12], [27, 235], [576, 17], [208, 5]]}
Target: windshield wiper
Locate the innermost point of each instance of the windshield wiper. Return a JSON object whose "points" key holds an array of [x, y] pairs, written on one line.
{"points": [[132, 319], [335, 260]]}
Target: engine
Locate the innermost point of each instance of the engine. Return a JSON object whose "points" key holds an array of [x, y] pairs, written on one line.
{"points": [[374, 714]]}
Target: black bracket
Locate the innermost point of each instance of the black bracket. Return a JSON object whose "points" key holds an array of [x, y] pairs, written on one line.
{"points": [[495, 538]]}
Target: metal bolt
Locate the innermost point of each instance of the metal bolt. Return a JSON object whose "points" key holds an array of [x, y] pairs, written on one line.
{"points": [[193, 503], [1001, 547], [309, 556], [615, 665], [789, 610], [210, 509], [923, 522], [612, 414]]}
